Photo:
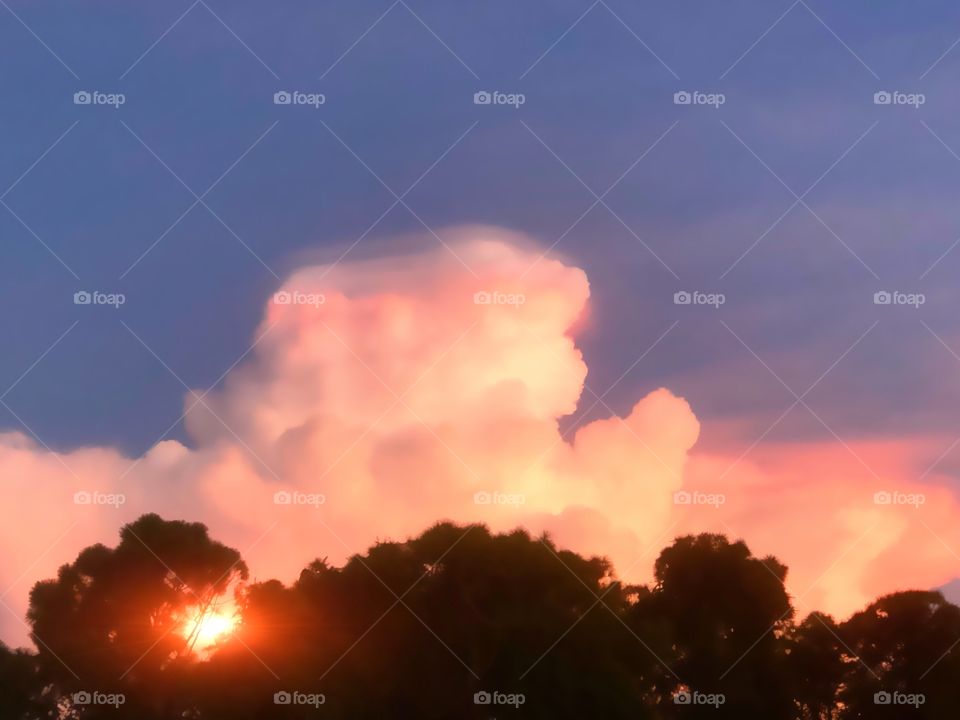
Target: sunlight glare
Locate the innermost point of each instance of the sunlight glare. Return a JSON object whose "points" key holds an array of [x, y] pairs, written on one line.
{"points": [[204, 630]]}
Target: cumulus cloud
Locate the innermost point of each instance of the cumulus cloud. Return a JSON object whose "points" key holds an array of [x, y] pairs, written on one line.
{"points": [[382, 395], [853, 520]]}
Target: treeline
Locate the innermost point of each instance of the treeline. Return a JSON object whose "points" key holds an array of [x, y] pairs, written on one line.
{"points": [[460, 623]]}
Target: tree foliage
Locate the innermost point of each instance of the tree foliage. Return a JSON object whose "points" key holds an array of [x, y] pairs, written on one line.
{"points": [[437, 626]]}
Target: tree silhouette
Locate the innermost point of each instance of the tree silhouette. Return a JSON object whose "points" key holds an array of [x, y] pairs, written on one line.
{"points": [[21, 690], [724, 615], [905, 661], [112, 621], [459, 622], [417, 629], [816, 666]]}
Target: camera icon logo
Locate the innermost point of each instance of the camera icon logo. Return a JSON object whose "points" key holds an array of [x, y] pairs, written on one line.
{"points": [[282, 698], [282, 497], [282, 298], [482, 698], [81, 698], [882, 698], [682, 497], [482, 98], [882, 298], [82, 298], [282, 97], [882, 498], [882, 98], [682, 298], [82, 98], [482, 498], [682, 98], [82, 497], [683, 698], [482, 298]]}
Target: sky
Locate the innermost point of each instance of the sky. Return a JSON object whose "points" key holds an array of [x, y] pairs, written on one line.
{"points": [[782, 200]]}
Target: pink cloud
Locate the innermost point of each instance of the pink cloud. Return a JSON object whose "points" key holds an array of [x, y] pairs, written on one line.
{"points": [[384, 395]]}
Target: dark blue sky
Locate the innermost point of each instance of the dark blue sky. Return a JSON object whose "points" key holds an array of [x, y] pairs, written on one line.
{"points": [[712, 205]]}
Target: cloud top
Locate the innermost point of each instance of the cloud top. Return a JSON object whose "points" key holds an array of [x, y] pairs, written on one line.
{"points": [[382, 395]]}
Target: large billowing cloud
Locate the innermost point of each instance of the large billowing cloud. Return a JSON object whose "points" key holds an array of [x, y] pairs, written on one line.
{"points": [[383, 395]]}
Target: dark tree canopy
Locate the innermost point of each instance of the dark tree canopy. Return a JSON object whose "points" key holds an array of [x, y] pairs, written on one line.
{"points": [[904, 645], [110, 621], [462, 623]]}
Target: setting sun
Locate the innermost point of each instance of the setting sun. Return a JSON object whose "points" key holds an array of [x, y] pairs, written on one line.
{"points": [[203, 630]]}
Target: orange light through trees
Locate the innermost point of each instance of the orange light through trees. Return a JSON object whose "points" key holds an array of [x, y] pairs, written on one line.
{"points": [[203, 628]]}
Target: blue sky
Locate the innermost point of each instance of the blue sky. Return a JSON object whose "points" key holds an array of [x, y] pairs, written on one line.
{"points": [[702, 206]]}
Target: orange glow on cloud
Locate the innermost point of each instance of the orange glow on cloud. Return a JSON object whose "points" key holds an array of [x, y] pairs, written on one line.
{"points": [[384, 395]]}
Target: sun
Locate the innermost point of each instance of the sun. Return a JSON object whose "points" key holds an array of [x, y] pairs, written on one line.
{"points": [[203, 629]]}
